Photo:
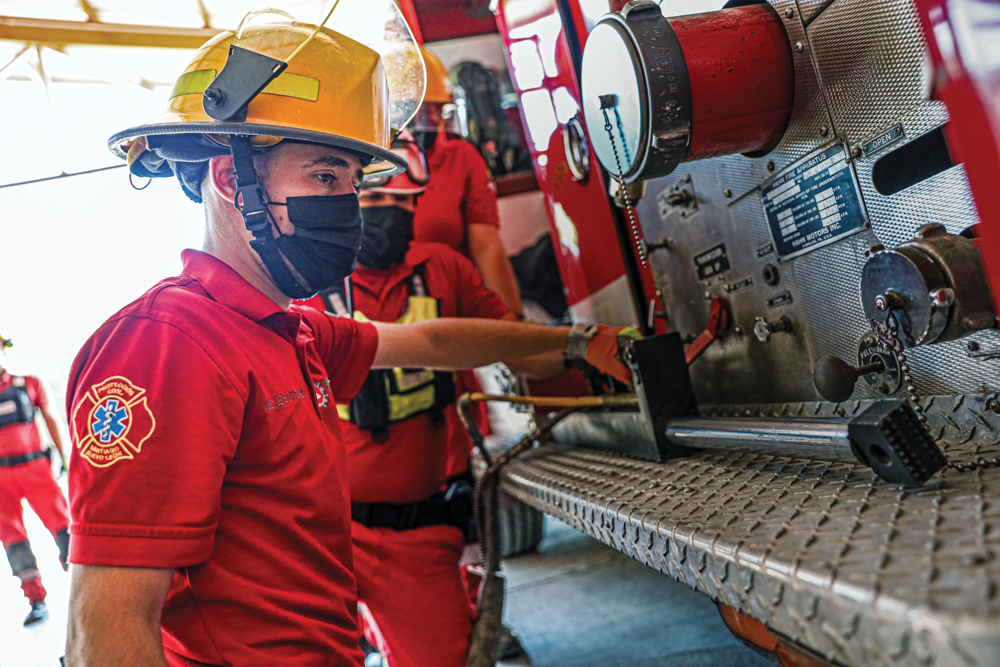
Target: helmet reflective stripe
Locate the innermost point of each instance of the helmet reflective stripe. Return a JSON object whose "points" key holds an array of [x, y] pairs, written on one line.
{"points": [[287, 85]]}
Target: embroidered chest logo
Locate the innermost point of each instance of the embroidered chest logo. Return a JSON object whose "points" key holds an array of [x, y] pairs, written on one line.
{"points": [[112, 421]]}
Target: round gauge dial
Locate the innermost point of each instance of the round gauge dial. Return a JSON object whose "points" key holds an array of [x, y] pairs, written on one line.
{"points": [[612, 66]]}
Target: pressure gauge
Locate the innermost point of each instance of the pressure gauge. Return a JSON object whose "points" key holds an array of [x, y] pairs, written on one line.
{"points": [[637, 131], [658, 91]]}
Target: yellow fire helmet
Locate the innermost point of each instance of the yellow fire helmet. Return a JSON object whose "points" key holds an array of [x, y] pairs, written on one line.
{"points": [[439, 112], [439, 88], [283, 79]]}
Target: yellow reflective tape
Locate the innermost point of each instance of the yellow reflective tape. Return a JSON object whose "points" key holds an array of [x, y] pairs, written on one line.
{"points": [[189, 83], [420, 308], [294, 85], [344, 412], [402, 406], [286, 85], [407, 380]]}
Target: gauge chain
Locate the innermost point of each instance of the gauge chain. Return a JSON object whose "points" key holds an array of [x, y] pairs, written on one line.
{"points": [[888, 340], [621, 133], [629, 208]]}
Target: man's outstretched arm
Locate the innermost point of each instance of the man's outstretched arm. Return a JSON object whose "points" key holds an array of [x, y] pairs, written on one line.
{"points": [[114, 616], [460, 343], [457, 344]]}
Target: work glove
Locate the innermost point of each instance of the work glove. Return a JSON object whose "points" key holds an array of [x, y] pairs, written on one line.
{"points": [[598, 345]]}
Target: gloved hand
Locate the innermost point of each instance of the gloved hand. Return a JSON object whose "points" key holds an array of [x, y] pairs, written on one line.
{"points": [[598, 345]]}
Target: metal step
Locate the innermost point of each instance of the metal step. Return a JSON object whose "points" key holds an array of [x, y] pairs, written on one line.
{"points": [[860, 571]]}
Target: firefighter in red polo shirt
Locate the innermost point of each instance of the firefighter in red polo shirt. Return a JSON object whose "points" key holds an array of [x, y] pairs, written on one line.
{"points": [[26, 473], [459, 207], [210, 504]]}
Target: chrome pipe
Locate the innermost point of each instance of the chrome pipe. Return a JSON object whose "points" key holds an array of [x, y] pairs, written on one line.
{"points": [[819, 439]]}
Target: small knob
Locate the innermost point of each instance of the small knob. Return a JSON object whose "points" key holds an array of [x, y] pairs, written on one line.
{"points": [[214, 98], [763, 329], [835, 378], [682, 198], [887, 301]]}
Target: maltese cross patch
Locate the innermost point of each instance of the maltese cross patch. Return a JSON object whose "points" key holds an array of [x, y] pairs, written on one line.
{"points": [[111, 422]]}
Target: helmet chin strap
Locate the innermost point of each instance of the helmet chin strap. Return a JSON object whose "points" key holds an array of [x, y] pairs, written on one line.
{"points": [[251, 201]]}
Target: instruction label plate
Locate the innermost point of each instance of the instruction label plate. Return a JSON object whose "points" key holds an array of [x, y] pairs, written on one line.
{"points": [[813, 203], [712, 262]]}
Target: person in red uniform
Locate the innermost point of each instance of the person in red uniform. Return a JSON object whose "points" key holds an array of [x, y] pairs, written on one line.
{"points": [[210, 502], [26, 474], [407, 452], [459, 207]]}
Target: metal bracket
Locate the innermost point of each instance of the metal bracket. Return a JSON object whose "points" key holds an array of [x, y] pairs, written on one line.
{"points": [[244, 76]]}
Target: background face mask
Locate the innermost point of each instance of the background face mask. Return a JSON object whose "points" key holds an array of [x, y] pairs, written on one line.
{"points": [[387, 234]]}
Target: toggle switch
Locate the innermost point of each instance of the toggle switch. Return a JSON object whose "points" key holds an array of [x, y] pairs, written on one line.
{"points": [[764, 329]]}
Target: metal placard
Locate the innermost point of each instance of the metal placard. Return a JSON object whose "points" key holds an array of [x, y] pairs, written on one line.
{"points": [[813, 203], [712, 262], [884, 140]]}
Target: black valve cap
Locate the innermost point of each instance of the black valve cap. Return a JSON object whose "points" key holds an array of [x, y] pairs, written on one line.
{"points": [[890, 438], [834, 379]]}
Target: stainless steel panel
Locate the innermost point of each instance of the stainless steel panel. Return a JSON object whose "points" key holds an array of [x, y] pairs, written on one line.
{"points": [[871, 58], [604, 430], [871, 64]]}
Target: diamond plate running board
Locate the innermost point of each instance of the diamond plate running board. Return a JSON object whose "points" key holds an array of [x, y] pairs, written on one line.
{"points": [[861, 571]]}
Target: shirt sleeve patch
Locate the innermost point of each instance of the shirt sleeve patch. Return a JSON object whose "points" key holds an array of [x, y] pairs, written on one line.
{"points": [[112, 421]]}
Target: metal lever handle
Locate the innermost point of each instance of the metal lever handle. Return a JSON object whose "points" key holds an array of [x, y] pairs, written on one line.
{"points": [[835, 378]]}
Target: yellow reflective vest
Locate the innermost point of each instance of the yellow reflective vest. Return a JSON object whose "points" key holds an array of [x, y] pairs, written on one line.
{"points": [[394, 394]]}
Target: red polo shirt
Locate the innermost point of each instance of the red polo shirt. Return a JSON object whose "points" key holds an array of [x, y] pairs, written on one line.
{"points": [[206, 439], [460, 193], [418, 456], [18, 439]]}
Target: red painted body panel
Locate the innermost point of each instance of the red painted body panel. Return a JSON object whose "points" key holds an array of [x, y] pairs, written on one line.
{"points": [[580, 216], [742, 79], [450, 19], [971, 90]]}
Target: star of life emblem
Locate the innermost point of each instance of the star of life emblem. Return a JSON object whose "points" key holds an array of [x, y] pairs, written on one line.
{"points": [[112, 421]]}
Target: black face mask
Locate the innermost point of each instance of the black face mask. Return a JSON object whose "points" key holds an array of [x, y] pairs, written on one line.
{"points": [[387, 234], [426, 138], [323, 248]]}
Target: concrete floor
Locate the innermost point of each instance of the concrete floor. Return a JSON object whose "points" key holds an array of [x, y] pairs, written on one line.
{"points": [[577, 602]]}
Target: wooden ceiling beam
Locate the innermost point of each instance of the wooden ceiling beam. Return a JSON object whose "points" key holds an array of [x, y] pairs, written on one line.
{"points": [[43, 31]]}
